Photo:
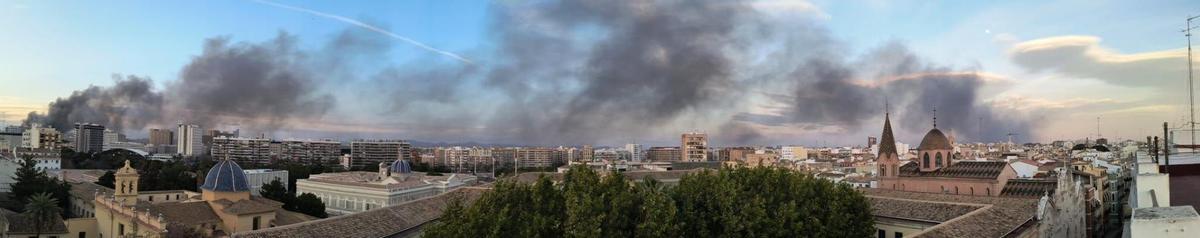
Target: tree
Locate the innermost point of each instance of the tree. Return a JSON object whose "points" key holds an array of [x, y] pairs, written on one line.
{"points": [[31, 181], [742, 202], [109, 179], [308, 203], [275, 190], [42, 209]]}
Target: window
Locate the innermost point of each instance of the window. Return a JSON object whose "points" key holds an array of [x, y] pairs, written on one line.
{"points": [[955, 189], [152, 198], [925, 161], [176, 196], [120, 229], [972, 190], [989, 191], [943, 189], [939, 159], [882, 233], [82, 234], [883, 171], [254, 224], [899, 234]]}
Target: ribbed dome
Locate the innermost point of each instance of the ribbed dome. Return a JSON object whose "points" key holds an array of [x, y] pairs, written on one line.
{"points": [[401, 166], [226, 176], [935, 140]]}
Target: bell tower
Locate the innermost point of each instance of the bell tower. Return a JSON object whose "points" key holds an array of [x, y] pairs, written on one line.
{"points": [[126, 185], [888, 159]]}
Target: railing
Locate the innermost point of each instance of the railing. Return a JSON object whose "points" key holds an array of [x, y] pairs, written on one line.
{"points": [[142, 217]]}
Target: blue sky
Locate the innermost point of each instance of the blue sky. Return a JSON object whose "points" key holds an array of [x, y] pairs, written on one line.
{"points": [[51, 48]]}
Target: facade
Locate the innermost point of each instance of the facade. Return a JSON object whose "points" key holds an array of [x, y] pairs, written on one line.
{"points": [[188, 140], [41, 137], [663, 154], [693, 147], [636, 154], [370, 152], [161, 137], [223, 207], [354, 192], [536, 157], [89, 137], [794, 153], [47, 159], [244, 150], [310, 151], [936, 170], [256, 178], [587, 153]]}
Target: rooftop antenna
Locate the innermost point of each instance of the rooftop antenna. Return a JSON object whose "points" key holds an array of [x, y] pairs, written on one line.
{"points": [[934, 117], [1187, 32]]}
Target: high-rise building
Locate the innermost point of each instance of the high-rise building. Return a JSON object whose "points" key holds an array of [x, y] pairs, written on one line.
{"points": [[188, 140], [252, 151], [588, 153], [89, 137], [535, 157], [111, 137], [372, 152], [161, 137], [663, 154], [38, 137], [635, 152], [309, 151], [694, 147]]}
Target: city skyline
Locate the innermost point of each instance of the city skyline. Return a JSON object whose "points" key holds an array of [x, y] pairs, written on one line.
{"points": [[774, 72]]}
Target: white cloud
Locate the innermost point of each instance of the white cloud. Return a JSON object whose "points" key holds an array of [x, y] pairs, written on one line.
{"points": [[1083, 57], [790, 8]]}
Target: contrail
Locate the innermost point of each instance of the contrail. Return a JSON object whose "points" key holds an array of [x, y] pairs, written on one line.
{"points": [[369, 27]]}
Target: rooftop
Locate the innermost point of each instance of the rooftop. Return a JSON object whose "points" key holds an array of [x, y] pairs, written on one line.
{"points": [[991, 216], [1028, 188], [960, 169], [371, 179], [382, 222]]}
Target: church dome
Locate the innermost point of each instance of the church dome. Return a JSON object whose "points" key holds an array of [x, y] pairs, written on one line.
{"points": [[401, 166], [935, 140], [226, 176]]}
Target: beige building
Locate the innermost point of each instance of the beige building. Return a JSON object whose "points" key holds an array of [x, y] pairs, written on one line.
{"points": [[694, 147], [244, 150], [223, 207], [365, 153], [37, 137], [310, 151]]}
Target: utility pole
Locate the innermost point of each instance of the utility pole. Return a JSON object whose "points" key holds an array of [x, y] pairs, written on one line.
{"points": [[1187, 32]]}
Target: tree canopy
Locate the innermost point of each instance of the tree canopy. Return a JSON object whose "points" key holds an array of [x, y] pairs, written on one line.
{"points": [[31, 181], [741, 202]]}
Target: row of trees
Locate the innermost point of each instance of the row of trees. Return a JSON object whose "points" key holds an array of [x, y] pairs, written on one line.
{"points": [[761, 202], [306, 203]]}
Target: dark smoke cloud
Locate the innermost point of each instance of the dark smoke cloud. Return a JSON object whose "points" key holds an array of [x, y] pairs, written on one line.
{"points": [[258, 86], [568, 72], [130, 103]]}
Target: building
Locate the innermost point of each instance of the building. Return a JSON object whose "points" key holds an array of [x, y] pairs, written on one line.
{"points": [[635, 152], [245, 150], [734, 153], [258, 177], [310, 151], [536, 158], [224, 206], [402, 220], [41, 137], [663, 154], [587, 153], [794, 153], [358, 191], [161, 137], [188, 140], [89, 137], [365, 153], [916, 214], [47, 159], [693, 147], [8, 173], [1162, 196], [936, 170]]}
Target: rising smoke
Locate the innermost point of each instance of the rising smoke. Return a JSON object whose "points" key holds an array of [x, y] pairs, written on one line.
{"points": [[571, 72]]}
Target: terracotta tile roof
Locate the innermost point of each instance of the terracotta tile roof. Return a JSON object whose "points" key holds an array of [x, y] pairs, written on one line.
{"points": [[87, 190], [382, 222], [255, 204], [285, 217], [187, 213], [1028, 188], [994, 217], [21, 224], [961, 169]]}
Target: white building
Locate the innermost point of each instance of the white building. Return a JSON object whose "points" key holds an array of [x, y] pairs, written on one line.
{"points": [[257, 177], [635, 152], [1155, 214], [8, 173], [38, 137], [47, 159], [188, 140], [351, 192]]}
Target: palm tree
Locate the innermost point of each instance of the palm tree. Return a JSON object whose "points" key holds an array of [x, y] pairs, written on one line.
{"points": [[42, 209]]}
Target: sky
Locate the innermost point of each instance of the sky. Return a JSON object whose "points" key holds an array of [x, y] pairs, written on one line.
{"points": [[547, 72]]}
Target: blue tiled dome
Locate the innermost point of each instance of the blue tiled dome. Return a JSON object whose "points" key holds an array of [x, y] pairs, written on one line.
{"points": [[401, 166], [226, 176]]}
